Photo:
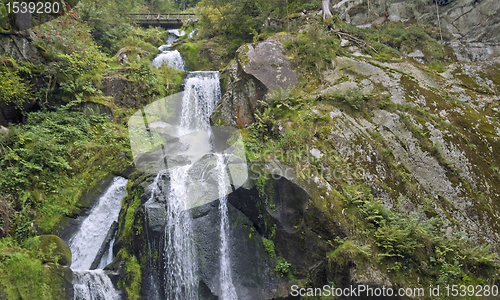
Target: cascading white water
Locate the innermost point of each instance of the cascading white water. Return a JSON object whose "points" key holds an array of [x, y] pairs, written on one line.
{"points": [[86, 242], [171, 58], [181, 277], [93, 285], [227, 290], [84, 245], [201, 94]]}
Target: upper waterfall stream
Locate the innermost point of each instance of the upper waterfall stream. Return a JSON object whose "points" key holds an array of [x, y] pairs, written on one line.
{"points": [[180, 192]]}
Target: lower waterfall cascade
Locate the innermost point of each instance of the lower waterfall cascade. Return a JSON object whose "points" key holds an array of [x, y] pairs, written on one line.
{"points": [[84, 245]]}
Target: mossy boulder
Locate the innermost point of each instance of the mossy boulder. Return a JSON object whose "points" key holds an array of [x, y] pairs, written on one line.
{"points": [[55, 250], [58, 281]]}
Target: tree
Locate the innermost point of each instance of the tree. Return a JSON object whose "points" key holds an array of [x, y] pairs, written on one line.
{"points": [[326, 9]]}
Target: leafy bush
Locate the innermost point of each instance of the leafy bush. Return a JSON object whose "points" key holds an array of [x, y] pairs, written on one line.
{"points": [[13, 89], [63, 36], [143, 72]]}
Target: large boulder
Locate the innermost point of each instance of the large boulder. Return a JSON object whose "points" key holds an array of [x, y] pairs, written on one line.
{"points": [[257, 69], [55, 250]]}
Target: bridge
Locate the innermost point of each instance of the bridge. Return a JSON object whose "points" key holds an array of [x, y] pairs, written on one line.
{"points": [[168, 20]]}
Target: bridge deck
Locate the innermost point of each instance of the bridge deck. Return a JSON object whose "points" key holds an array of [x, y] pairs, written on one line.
{"points": [[168, 20]]}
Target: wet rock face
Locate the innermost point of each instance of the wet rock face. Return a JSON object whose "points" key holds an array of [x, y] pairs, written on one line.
{"points": [[257, 69], [238, 105], [251, 273]]}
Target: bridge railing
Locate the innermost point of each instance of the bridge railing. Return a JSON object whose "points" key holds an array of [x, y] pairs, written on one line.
{"points": [[168, 16]]}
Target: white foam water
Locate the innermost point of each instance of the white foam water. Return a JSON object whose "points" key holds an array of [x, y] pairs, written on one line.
{"points": [[84, 245], [227, 290], [171, 58], [201, 94], [86, 242], [181, 277], [93, 285]]}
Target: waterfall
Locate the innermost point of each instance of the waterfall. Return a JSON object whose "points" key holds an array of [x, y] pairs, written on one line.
{"points": [[172, 59], [227, 289], [84, 245], [94, 284], [86, 242], [180, 259], [201, 94], [183, 151]]}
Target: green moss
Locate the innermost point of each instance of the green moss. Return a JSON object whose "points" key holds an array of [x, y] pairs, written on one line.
{"points": [[23, 276], [191, 54], [55, 250], [269, 247], [132, 281], [128, 226]]}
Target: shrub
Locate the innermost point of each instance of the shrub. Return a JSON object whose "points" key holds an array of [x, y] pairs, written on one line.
{"points": [[13, 89], [63, 36], [283, 267], [354, 97]]}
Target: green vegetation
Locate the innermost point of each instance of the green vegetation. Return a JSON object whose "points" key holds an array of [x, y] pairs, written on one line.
{"points": [[13, 89], [269, 247], [402, 244], [132, 281], [392, 39], [313, 50], [61, 151], [49, 162], [24, 274]]}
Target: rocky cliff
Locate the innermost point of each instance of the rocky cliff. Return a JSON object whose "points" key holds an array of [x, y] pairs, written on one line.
{"points": [[421, 141]]}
